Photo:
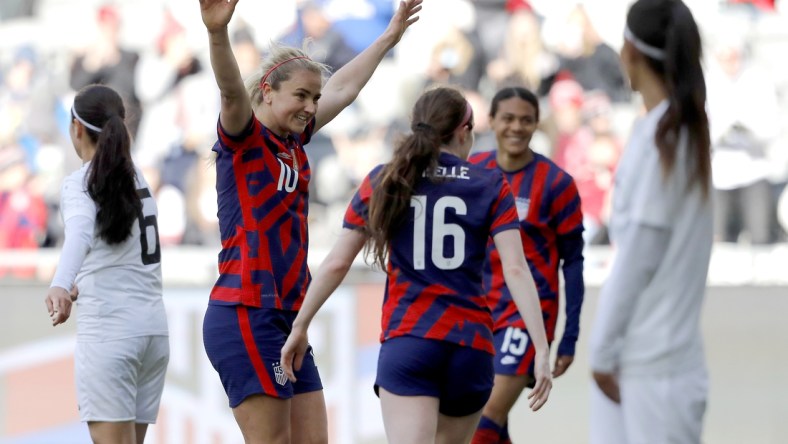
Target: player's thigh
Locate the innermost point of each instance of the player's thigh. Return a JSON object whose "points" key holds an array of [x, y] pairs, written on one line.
{"points": [[457, 429], [264, 419], [106, 376], [112, 432], [409, 419], [666, 409], [308, 420], [152, 373], [606, 419]]}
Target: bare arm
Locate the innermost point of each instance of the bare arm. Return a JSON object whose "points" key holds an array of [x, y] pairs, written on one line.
{"points": [[345, 85], [523, 289], [328, 277], [236, 108]]}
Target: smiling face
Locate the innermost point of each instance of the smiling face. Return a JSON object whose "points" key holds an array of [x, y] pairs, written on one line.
{"points": [[294, 103], [514, 123]]}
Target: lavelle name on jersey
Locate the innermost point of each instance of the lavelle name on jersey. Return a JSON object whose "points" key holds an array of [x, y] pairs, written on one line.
{"points": [[449, 172]]}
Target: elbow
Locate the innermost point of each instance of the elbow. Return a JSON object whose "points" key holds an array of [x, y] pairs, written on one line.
{"points": [[518, 271], [338, 266]]}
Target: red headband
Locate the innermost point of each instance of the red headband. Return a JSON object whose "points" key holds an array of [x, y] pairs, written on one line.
{"points": [[265, 77], [467, 117]]}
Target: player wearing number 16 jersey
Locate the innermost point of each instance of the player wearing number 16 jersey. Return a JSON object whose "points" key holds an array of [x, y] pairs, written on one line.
{"points": [[111, 262], [426, 218]]}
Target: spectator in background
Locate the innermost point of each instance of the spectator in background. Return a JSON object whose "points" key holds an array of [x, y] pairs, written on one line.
{"points": [[247, 54], [524, 61], [591, 61], [23, 213], [457, 59], [106, 63], [329, 46], [176, 129], [744, 119]]}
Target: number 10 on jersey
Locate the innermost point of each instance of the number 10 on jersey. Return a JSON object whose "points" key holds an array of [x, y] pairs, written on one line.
{"points": [[440, 230]]}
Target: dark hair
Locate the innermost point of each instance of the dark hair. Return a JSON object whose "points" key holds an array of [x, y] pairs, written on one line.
{"points": [[514, 91], [669, 25], [436, 116], [111, 175]]}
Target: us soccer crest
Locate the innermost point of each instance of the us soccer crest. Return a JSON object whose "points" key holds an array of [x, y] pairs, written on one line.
{"points": [[522, 204], [281, 379]]}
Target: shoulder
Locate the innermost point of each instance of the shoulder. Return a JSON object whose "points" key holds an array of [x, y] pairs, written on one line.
{"points": [[76, 181], [557, 176], [484, 158]]}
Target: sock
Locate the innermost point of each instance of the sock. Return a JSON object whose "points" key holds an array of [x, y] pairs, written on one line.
{"points": [[487, 432], [505, 435]]}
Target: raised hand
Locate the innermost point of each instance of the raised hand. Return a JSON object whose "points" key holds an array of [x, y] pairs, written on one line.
{"points": [[216, 14], [403, 18]]}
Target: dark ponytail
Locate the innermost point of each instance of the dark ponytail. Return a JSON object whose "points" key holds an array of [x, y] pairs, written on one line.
{"points": [[111, 179], [436, 116], [669, 24]]}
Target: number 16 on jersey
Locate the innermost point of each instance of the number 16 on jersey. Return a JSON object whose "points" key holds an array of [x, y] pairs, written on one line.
{"points": [[440, 230]]}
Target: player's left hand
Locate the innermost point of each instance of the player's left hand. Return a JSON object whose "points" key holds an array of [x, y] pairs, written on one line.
{"points": [[403, 18], [293, 352], [561, 364], [608, 383], [74, 293]]}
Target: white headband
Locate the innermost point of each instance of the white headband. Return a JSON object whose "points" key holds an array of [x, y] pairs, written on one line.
{"points": [[82, 121], [645, 48]]}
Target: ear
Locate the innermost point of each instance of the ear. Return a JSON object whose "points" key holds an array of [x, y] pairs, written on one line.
{"points": [[266, 91]]}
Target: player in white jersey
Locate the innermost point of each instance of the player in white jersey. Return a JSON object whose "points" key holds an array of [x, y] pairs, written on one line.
{"points": [[646, 347], [110, 264]]}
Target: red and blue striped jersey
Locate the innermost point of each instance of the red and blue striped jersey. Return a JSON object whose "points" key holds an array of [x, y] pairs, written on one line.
{"points": [[548, 207], [434, 284], [262, 185]]}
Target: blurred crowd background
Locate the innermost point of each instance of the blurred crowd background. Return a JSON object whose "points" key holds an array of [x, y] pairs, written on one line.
{"points": [[154, 53]]}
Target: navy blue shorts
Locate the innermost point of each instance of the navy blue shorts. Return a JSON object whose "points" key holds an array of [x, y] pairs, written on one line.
{"points": [[244, 345], [514, 353], [460, 377]]}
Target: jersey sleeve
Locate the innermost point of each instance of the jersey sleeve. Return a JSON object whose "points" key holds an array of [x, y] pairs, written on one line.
{"points": [[358, 209], [504, 212], [234, 142], [565, 210], [75, 200]]}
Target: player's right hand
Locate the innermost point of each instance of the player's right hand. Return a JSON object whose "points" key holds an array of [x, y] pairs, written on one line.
{"points": [[293, 352], [544, 382], [216, 14], [58, 303]]}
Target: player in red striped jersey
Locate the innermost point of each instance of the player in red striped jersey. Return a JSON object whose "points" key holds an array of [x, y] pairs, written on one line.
{"points": [[426, 218], [548, 207], [262, 187]]}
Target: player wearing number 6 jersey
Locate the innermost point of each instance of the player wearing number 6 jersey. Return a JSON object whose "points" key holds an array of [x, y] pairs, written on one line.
{"points": [[111, 261], [548, 208], [426, 217]]}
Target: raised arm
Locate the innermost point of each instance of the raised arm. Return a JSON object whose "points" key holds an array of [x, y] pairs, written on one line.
{"points": [[523, 289], [236, 108], [343, 87], [328, 277]]}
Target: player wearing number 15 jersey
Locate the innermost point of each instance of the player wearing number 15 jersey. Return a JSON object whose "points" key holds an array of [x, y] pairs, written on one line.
{"points": [[426, 218], [548, 208], [111, 262]]}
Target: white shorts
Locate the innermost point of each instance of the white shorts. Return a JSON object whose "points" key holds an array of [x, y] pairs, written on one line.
{"points": [[121, 380], [653, 410]]}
